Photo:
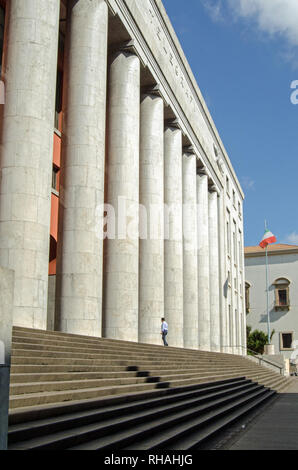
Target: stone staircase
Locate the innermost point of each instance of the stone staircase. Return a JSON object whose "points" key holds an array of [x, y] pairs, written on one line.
{"points": [[76, 392]]}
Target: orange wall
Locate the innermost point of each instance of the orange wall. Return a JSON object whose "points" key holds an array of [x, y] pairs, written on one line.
{"points": [[55, 200]]}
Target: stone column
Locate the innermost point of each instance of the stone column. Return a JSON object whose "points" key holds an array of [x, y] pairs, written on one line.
{"points": [[151, 265], [80, 240], [203, 263], [214, 272], [190, 259], [27, 154], [173, 236], [243, 304], [122, 253], [223, 282]]}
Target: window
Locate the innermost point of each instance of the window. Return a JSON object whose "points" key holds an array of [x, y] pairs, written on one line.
{"points": [[55, 178], [228, 238], [230, 326], [234, 199], [58, 107], [235, 244], [247, 304], [53, 249], [236, 328], [286, 340], [59, 85], [240, 248], [228, 186], [239, 210], [282, 298]]}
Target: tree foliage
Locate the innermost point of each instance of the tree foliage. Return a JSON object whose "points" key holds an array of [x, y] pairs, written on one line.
{"points": [[256, 340]]}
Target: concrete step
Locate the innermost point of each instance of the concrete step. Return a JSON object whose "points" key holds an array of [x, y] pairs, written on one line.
{"points": [[190, 435], [100, 361], [108, 355], [167, 427], [40, 386], [78, 391], [39, 412], [53, 335], [42, 343], [277, 383], [71, 391], [21, 355], [47, 397], [84, 427], [133, 347], [43, 376], [28, 427]]}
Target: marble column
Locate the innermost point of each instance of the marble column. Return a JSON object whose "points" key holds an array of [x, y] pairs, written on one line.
{"points": [[122, 253], [214, 272], [151, 263], [27, 153], [190, 260], [203, 263], [80, 251], [173, 235], [223, 282]]}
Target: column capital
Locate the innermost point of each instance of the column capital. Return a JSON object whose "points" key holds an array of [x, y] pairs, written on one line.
{"points": [[189, 150], [214, 190], [152, 90], [128, 47], [175, 123], [202, 171]]}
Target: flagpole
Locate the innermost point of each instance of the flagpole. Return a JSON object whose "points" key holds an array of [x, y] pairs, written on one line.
{"points": [[267, 289]]}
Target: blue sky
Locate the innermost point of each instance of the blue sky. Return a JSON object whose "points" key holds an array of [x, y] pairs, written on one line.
{"points": [[244, 56]]}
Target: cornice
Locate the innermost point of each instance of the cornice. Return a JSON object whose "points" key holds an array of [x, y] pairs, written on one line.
{"points": [[258, 254]]}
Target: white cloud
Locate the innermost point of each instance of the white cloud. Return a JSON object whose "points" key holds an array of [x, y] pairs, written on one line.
{"points": [[276, 18], [271, 16], [292, 239], [214, 9], [247, 182]]}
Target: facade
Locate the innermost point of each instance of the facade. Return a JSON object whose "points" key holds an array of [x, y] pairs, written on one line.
{"points": [[104, 128], [283, 294]]}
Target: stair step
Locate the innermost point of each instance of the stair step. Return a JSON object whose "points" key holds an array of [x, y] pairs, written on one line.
{"points": [[81, 392], [42, 386], [43, 376], [137, 416], [37, 412], [166, 425], [28, 428], [192, 435]]}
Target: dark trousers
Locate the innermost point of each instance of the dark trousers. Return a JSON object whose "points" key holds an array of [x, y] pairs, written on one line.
{"points": [[164, 334]]}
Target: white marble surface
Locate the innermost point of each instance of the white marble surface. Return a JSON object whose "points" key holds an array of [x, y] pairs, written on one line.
{"points": [[27, 153], [80, 244]]}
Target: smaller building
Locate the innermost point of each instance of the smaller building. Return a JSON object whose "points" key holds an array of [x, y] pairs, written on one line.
{"points": [[283, 294]]}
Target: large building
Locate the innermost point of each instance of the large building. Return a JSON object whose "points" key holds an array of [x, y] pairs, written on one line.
{"points": [[104, 128], [283, 294]]}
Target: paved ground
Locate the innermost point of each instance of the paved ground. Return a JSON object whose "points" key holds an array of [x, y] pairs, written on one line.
{"points": [[276, 428]]}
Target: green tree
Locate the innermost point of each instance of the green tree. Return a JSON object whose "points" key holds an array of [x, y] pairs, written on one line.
{"points": [[256, 340]]}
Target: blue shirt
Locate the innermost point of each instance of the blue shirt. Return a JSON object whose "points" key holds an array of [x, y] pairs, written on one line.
{"points": [[164, 326]]}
